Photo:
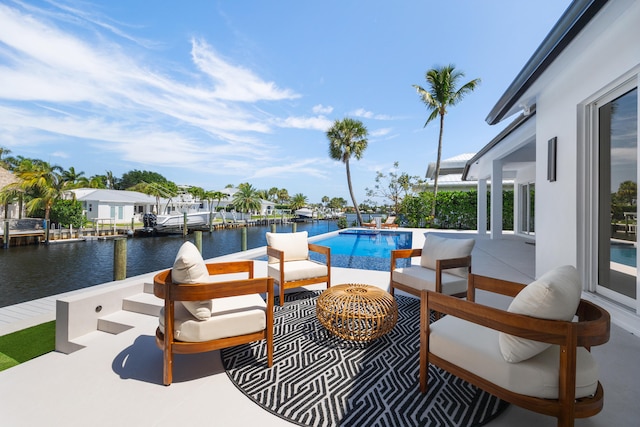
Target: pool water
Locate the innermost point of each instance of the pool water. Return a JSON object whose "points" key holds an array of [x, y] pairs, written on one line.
{"points": [[623, 254], [365, 249]]}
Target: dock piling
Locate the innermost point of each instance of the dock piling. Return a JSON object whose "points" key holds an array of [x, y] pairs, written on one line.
{"points": [[119, 259]]}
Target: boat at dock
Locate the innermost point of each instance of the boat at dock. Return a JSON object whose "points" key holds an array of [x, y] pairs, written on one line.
{"points": [[176, 223]]}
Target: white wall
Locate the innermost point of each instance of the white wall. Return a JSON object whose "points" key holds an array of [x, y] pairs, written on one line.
{"points": [[607, 48]]}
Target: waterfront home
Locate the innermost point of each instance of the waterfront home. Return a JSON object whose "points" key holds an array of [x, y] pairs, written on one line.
{"points": [[572, 145], [118, 205]]}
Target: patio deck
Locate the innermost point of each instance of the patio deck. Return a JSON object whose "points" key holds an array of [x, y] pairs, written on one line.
{"points": [[117, 378]]}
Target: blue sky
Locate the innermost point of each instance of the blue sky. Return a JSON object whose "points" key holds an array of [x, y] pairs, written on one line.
{"points": [[211, 93]]}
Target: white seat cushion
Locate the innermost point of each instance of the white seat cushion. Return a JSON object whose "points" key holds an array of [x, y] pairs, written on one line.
{"points": [[294, 245], [555, 296], [298, 270], [230, 317], [421, 278], [436, 247], [475, 348]]}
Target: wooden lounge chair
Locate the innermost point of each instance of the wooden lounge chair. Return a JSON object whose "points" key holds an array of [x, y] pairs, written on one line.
{"points": [[390, 222], [444, 267], [474, 341], [191, 323], [289, 262], [371, 224]]}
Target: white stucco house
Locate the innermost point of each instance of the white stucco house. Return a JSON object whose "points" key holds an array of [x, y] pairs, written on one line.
{"points": [[118, 205], [573, 141]]}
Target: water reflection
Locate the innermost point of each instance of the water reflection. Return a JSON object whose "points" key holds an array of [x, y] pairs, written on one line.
{"points": [[37, 271]]}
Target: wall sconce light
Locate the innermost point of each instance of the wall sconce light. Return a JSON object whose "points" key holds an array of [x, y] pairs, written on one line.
{"points": [[551, 158]]}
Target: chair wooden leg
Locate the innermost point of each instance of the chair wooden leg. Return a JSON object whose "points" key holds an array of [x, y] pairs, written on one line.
{"points": [[168, 366], [281, 289]]}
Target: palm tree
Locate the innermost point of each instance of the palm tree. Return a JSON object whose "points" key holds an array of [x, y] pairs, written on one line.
{"points": [[282, 196], [73, 179], [298, 201], [441, 93], [210, 196], [348, 137], [110, 180], [246, 199], [5, 160], [42, 182]]}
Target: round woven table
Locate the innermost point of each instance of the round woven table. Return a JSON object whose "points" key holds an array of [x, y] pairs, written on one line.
{"points": [[357, 312]]}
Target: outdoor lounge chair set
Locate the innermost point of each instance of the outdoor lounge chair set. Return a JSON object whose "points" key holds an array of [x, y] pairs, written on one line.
{"points": [[536, 354]]}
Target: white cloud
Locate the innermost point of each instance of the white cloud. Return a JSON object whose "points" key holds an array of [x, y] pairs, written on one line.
{"points": [[321, 109], [380, 132], [362, 113], [320, 123], [233, 82]]}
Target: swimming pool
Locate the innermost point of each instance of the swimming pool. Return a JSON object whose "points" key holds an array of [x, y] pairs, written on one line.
{"points": [[365, 249], [623, 254]]}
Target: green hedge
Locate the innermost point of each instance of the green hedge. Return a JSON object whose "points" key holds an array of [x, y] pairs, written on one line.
{"points": [[454, 210]]}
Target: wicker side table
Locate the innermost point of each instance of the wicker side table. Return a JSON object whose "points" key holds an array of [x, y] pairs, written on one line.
{"points": [[357, 312]]}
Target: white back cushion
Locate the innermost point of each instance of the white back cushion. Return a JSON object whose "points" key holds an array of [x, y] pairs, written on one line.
{"points": [[436, 247], [189, 267], [294, 245], [555, 296]]}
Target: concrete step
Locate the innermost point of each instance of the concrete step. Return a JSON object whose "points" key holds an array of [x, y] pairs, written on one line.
{"points": [[120, 321], [143, 303]]}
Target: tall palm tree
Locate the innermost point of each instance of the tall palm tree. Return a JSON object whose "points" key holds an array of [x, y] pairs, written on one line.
{"points": [[42, 182], [73, 179], [348, 137], [246, 199], [111, 180], [442, 92], [282, 196], [298, 201]]}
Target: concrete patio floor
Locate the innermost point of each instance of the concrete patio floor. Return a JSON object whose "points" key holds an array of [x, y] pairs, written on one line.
{"points": [[117, 379]]}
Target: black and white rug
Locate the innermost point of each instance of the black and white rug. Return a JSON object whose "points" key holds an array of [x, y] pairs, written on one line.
{"points": [[320, 380]]}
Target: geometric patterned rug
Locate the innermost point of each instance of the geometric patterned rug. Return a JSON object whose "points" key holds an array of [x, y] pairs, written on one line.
{"points": [[318, 379]]}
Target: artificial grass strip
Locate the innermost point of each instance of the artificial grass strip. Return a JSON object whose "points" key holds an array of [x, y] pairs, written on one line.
{"points": [[7, 362], [29, 343]]}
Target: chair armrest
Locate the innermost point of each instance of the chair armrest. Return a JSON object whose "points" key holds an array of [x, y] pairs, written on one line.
{"points": [[243, 266], [594, 331], [491, 284], [325, 250], [164, 288], [403, 253], [276, 253]]}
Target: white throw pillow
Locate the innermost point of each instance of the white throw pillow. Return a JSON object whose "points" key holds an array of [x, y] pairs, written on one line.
{"points": [[555, 296], [436, 247], [294, 245], [189, 267]]}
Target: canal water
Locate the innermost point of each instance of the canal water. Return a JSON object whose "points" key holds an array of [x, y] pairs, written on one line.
{"points": [[37, 271]]}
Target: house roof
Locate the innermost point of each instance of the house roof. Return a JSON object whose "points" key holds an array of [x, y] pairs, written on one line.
{"points": [[114, 196], [571, 23], [515, 124], [6, 178], [447, 166]]}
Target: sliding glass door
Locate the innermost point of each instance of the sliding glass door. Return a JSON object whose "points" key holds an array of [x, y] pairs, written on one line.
{"points": [[617, 137]]}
